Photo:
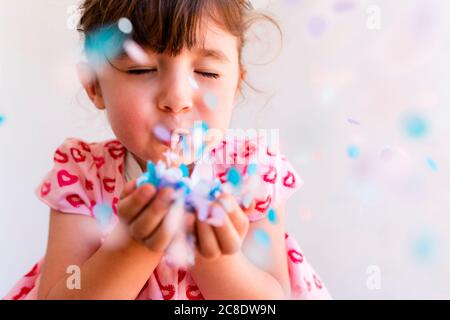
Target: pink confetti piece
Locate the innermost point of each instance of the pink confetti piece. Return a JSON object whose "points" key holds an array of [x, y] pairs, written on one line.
{"points": [[135, 52], [162, 133], [353, 121]]}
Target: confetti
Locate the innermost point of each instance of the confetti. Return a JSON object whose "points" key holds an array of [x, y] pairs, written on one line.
{"points": [[343, 6], [211, 100], [193, 83], [432, 164], [125, 25], [162, 133], [317, 26], [272, 216], [353, 151], [104, 44], [234, 177], [252, 169], [103, 214], [415, 126], [424, 247], [262, 237], [200, 192], [135, 52], [2, 119], [353, 121]]}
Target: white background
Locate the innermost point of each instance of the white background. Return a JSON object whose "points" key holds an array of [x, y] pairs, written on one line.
{"points": [[351, 213]]}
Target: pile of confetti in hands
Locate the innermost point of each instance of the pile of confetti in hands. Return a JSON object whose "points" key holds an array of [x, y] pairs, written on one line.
{"points": [[196, 192]]}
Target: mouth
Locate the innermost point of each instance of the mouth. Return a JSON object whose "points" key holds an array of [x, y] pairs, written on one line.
{"points": [[171, 138], [177, 138]]}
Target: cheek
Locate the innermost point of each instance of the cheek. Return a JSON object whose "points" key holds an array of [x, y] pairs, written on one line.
{"points": [[129, 109], [219, 117]]}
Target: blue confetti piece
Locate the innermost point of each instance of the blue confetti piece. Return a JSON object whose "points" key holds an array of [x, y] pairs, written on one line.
{"points": [[424, 247], [2, 119], [432, 164], [103, 214], [262, 237], [184, 168], [142, 180], [353, 152], [185, 146], [272, 216], [415, 126], [252, 169], [234, 177], [215, 191], [152, 176], [104, 44]]}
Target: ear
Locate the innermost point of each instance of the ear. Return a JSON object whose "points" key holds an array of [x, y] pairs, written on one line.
{"points": [[89, 80]]}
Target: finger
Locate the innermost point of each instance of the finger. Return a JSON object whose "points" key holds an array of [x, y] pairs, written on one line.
{"points": [[227, 236], [169, 228], [128, 188], [130, 206], [207, 241], [249, 207], [190, 223], [237, 217], [151, 216]]}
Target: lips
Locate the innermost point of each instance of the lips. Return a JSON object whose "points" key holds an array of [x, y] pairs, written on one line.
{"points": [[271, 175], [115, 149], [289, 180], [193, 293], [77, 155], [295, 256], [109, 184], [45, 189], [99, 162], [75, 200], [263, 205], [60, 157], [116, 152], [168, 291]]}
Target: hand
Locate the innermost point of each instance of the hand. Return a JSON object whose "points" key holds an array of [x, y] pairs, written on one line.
{"points": [[226, 239], [145, 212]]}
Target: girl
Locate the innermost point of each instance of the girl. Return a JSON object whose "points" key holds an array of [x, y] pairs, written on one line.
{"points": [[192, 48]]}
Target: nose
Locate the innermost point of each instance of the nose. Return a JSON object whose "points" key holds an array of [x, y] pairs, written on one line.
{"points": [[176, 95]]}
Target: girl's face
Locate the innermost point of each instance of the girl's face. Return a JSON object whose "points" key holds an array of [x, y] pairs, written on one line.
{"points": [[169, 92]]}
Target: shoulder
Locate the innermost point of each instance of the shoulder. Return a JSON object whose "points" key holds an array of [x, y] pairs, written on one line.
{"points": [[83, 175]]}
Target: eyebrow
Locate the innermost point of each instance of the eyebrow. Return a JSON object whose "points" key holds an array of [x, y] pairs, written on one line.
{"points": [[214, 54], [205, 52]]}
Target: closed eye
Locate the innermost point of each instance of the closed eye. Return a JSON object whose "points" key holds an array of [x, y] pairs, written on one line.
{"points": [[208, 74], [140, 71], [146, 71]]}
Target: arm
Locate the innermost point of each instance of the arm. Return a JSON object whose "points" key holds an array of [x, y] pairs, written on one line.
{"points": [[236, 277], [118, 269]]}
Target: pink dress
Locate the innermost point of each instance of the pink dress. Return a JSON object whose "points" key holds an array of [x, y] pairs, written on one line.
{"points": [[86, 174]]}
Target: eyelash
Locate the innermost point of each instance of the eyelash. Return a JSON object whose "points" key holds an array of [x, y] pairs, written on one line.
{"points": [[138, 72]]}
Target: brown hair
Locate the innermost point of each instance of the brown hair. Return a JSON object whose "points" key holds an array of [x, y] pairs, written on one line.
{"points": [[168, 26]]}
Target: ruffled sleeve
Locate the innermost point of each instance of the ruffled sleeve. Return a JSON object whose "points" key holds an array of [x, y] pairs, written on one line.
{"points": [[82, 176], [277, 180]]}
